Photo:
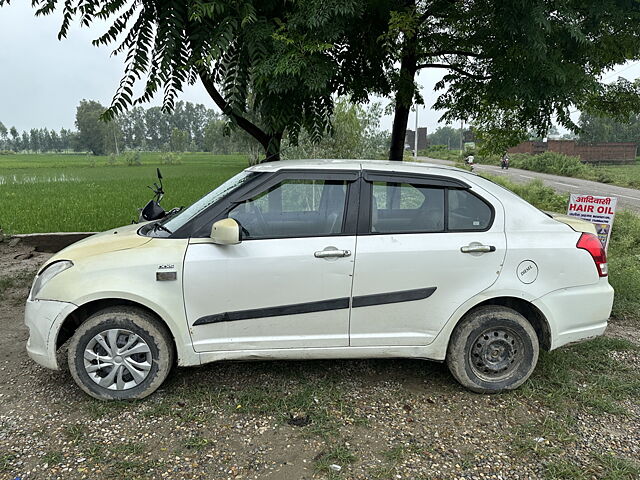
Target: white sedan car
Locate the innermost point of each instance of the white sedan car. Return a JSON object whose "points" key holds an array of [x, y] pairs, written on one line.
{"points": [[324, 259]]}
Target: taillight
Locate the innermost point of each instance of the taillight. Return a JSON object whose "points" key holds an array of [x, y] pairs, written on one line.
{"points": [[591, 243]]}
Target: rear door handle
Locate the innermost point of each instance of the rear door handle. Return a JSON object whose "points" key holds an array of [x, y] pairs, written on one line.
{"points": [[477, 248], [332, 252]]}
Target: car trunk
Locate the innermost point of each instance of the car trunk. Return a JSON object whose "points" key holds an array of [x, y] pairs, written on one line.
{"points": [[577, 224]]}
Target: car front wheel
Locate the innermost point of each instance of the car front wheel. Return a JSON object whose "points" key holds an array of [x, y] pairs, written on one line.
{"points": [[493, 349], [120, 353]]}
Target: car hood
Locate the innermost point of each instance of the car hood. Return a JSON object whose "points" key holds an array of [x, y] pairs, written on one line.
{"points": [[122, 238]]}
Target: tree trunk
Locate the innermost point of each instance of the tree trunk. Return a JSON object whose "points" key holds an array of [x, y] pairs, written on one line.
{"points": [[399, 130], [405, 93], [270, 142], [272, 149]]}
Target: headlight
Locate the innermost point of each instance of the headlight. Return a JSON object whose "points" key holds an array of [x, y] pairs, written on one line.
{"points": [[47, 274]]}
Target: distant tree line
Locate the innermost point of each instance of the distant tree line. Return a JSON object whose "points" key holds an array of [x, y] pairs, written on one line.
{"points": [[188, 128], [36, 140], [192, 127], [595, 129]]}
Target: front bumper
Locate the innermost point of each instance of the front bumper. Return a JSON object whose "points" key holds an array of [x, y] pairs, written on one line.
{"points": [[577, 313], [44, 318]]}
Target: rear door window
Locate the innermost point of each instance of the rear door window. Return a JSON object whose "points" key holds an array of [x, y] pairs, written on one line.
{"points": [[467, 212], [404, 208]]}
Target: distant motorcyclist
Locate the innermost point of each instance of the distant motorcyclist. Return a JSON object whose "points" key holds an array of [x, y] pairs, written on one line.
{"points": [[470, 160], [504, 164]]}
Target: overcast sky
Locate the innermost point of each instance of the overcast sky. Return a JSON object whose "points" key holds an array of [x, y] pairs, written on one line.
{"points": [[42, 80]]}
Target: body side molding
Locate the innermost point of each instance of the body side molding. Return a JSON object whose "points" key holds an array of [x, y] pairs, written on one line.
{"points": [[320, 306]]}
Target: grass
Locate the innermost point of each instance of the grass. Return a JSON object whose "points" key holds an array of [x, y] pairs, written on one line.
{"points": [[338, 454], [75, 433], [53, 458], [5, 461], [602, 466], [48, 193]]}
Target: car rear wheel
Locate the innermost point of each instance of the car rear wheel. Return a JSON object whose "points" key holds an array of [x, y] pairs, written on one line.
{"points": [[120, 353], [493, 349]]}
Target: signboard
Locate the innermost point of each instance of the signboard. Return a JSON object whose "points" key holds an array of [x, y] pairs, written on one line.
{"points": [[597, 210]]}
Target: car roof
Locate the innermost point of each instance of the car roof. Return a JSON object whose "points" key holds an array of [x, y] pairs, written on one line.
{"points": [[344, 164]]}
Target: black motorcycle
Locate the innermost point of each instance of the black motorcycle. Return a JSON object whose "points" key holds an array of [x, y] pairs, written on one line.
{"points": [[152, 210]]}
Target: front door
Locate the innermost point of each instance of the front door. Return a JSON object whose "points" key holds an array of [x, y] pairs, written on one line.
{"points": [[288, 283], [428, 248]]}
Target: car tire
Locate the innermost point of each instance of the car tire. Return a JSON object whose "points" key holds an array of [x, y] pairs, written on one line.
{"points": [[140, 362], [492, 349]]}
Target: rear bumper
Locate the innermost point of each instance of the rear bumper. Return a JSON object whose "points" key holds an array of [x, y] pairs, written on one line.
{"points": [[577, 313], [43, 318]]}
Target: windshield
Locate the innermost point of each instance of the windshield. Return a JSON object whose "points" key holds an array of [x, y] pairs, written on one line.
{"points": [[182, 217]]}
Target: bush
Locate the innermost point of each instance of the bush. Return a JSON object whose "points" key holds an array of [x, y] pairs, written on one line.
{"points": [[550, 162], [170, 159], [437, 151], [132, 159]]}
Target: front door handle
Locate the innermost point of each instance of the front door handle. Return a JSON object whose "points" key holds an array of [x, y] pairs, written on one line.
{"points": [[332, 252], [477, 248]]}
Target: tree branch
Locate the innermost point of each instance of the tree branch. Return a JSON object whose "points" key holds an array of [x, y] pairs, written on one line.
{"points": [[249, 127], [454, 68]]}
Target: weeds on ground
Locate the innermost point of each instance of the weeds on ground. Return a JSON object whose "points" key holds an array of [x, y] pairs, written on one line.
{"points": [[602, 466], [53, 458], [338, 454], [584, 377], [5, 461]]}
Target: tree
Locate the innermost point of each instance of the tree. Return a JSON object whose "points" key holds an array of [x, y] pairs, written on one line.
{"points": [[355, 133], [265, 63], [94, 134], [272, 66], [133, 128], [446, 135], [179, 140], [220, 139], [66, 139], [34, 140], [3, 136], [55, 141], [15, 139], [595, 129], [26, 144], [512, 66]]}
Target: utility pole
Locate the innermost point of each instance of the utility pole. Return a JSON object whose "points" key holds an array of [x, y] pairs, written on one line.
{"points": [[461, 143], [415, 137]]}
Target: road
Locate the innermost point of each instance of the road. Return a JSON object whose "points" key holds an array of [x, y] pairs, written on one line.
{"points": [[628, 198]]}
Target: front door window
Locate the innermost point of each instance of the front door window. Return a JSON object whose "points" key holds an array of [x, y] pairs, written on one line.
{"points": [[294, 208]]}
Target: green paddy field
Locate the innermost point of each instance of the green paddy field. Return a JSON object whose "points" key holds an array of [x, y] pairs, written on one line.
{"points": [[71, 193]]}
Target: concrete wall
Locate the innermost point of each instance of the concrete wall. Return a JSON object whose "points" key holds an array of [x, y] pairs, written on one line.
{"points": [[617, 153]]}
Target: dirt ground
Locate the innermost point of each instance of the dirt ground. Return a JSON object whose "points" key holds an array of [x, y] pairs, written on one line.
{"points": [[386, 419]]}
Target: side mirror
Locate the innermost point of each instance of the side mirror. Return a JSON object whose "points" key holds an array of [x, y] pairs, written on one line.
{"points": [[226, 232]]}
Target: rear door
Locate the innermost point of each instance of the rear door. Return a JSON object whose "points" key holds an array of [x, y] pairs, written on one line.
{"points": [[425, 246]]}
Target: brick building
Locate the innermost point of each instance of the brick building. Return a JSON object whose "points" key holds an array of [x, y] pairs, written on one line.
{"points": [[409, 138], [617, 153]]}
